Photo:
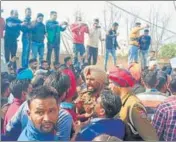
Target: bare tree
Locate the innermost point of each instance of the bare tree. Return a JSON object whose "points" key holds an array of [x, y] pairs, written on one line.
{"points": [[157, 33]]}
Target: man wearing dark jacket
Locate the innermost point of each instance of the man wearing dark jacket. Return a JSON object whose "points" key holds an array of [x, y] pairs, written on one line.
{"points": [[26, 38], [12, 32], [106, 108], [53, 29], [111, 44], [38, 35]]}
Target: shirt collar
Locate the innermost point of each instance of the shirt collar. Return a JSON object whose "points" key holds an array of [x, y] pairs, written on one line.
{"points": [[16, 100]]}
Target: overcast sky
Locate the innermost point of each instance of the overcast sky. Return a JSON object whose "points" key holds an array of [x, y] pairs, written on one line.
{"points": [[91, 9]]}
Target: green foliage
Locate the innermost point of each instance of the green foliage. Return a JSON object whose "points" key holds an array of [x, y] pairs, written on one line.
{"points": [[168, 51]]}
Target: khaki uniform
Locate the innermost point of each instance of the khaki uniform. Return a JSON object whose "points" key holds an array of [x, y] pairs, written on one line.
{"points": [[133, 113]]}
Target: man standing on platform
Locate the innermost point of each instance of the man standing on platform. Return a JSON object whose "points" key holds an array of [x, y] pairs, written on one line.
{"points": [[53, 29], [93, 39], [144, 42], [134, 43], [78, 30], [26, 38]]}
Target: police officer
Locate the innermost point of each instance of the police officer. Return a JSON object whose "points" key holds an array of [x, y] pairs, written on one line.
{"points": [[95, 83], [133, 113]]}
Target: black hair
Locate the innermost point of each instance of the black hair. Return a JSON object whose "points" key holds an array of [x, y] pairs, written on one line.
{"points": [[173, 84], [28, 8], [4, 85], [96, 20], [18, 86], [115, 24], [38, 81], [111, 103], [162, 78], [12, 12], [150, 78], [43, 61], [42, 92], [137, 23], [32, 61], [66, 59], [53, 12], [58, 80], [40, 15], [146, 30]]}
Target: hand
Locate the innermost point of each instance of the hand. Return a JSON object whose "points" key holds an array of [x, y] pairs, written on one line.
{"points": [[79, 125]]}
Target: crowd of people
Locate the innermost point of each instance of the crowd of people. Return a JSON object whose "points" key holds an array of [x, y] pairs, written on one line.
{"points": [[78, 101]]}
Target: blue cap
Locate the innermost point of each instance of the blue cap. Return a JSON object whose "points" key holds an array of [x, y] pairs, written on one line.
{"points": [[25, 74]]}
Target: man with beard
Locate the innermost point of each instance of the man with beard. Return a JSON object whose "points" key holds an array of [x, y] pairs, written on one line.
{"points": [[33, 64], [95, 82], [43, 114], [133, 112]]}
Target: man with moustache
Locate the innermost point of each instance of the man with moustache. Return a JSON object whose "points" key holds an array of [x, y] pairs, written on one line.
{"points": [[95, 82], [43, 114]]}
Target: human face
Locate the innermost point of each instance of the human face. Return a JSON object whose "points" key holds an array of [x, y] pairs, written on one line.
{"points": [[40, 19], [92, 84], [34, 65], [45, 66], [44, 114], [28, 13], [114, 88], [15, 14], [115, 28], [98, 109], [54, 16], [25, 93], [69, 63], [146, 33]]}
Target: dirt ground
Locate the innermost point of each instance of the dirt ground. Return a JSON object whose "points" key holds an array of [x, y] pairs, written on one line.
{"points": [[100, 62], [122, 61]]}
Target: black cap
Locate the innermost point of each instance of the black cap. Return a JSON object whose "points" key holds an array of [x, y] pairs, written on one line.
{"points": [[40, 15]]}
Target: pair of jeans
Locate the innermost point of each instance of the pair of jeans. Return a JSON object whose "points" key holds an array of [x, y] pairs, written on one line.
{"points": [[113, 53], [133, 54], [38, 48], [10, 48], [78, 48], [143, 58], [26, 52], [56, 53], [92, 53]]}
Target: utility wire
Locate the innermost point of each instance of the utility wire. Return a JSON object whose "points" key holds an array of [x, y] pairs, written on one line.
{"points": [[139, 17]]}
